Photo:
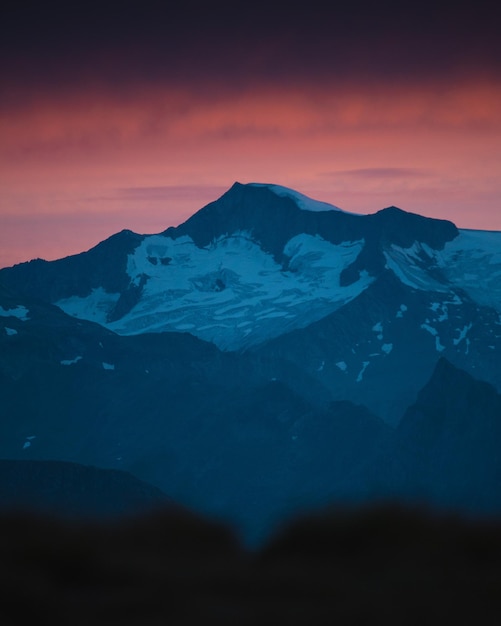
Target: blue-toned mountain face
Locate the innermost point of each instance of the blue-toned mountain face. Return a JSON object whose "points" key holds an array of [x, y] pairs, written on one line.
{"points": [[255, 358], [259, 261], [350, 301], [72, 491]]}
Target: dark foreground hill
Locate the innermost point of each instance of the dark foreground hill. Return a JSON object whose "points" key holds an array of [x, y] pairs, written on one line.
{"points": [[379, 566]]}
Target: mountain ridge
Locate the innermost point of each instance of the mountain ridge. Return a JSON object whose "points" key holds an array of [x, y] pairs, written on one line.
{"points": [[247, 290], [304, 250]]}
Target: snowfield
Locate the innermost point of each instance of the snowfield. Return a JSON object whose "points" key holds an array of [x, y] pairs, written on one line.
{"points": [[231, 292]]}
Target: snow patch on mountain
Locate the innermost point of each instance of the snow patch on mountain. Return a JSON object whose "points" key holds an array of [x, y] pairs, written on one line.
{"points": [[378, 328], [433, 331], [28, 442], [303, 202], [462, 333], [21, 312], [401, 310], [411, 266], [360, 376], [430, 329], [472, 261], [441, 309], [71, 361], [94, 307]]}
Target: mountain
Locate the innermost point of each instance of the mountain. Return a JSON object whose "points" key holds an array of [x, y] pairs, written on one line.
{"points": [[454, 429], [445, 450], [71, 490], [380, 348], [254, 257], [350, 300], [263, 357], [206, 427]]}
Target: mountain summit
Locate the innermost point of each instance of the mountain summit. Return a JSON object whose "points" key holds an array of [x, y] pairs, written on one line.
{"points": [[275, 214]]}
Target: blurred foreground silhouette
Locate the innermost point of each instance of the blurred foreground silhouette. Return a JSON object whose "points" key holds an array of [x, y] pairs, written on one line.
{"points": [[378, 565]]}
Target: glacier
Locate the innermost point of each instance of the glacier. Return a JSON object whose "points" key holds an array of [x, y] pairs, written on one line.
{"points": [[231, 292]]}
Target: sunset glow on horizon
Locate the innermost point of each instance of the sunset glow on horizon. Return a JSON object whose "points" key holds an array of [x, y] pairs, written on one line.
{"points": [[83, 160]]}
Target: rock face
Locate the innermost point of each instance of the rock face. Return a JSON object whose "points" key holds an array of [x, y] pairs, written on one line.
{"points": [[454, 430], [264, 357], [274, 216], [445, 451], [102, 266]]}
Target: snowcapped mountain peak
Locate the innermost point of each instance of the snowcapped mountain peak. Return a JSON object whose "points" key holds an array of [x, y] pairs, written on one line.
{"points": [[260, 261], [303, 202]]}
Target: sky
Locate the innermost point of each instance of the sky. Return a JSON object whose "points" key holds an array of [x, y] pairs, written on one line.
{"points": [[136, 118]]}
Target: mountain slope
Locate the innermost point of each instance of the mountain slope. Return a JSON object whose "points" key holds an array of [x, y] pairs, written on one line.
{"points": [[381, 347], [445, 451], [207, 427], [454, 429]]}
